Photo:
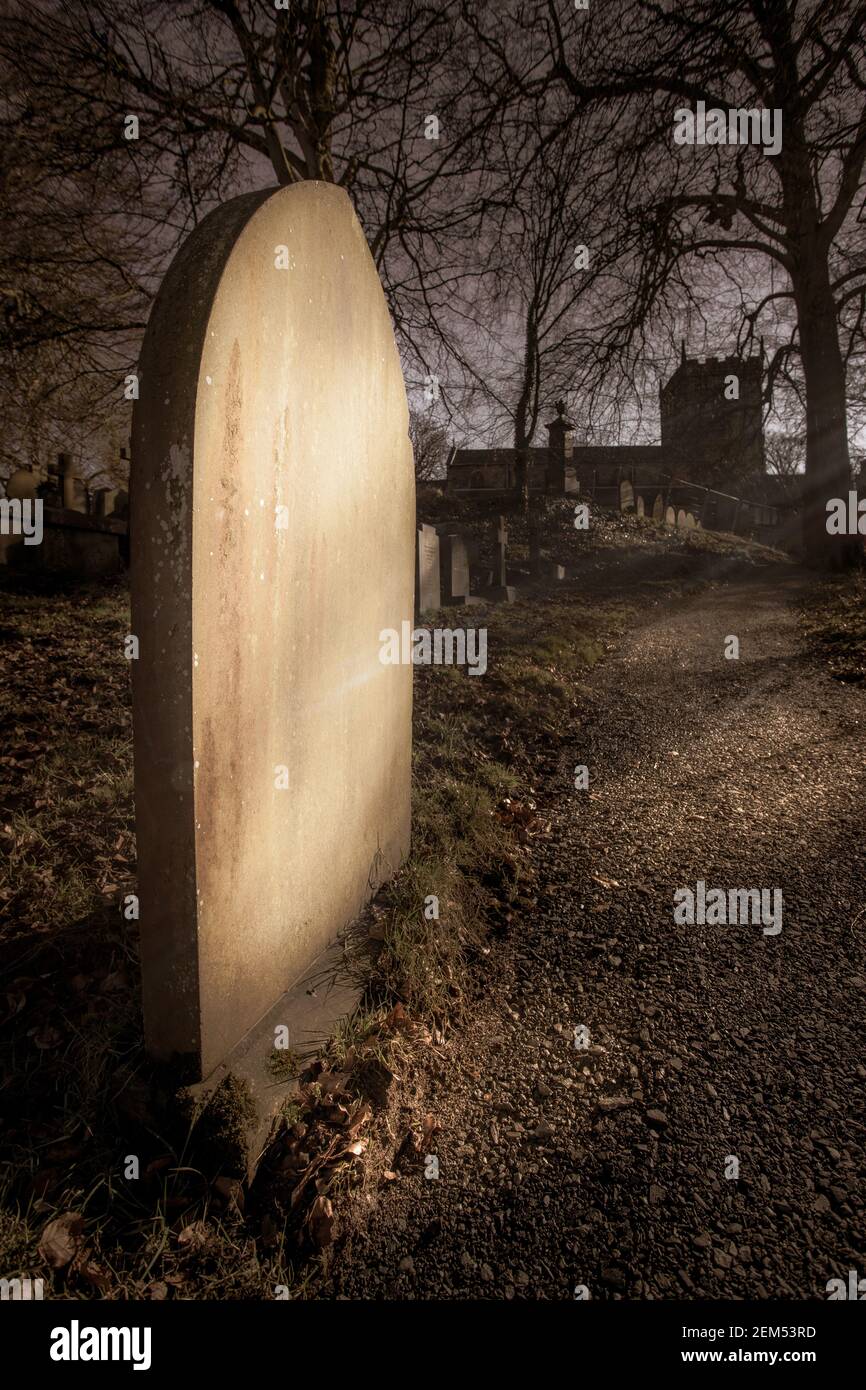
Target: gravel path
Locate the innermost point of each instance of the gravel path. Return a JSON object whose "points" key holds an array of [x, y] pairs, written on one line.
{"points": [[606, 1167]]}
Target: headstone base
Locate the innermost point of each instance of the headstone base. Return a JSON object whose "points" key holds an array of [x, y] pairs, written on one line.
{"points": [[246, 1092], [499, 593]]}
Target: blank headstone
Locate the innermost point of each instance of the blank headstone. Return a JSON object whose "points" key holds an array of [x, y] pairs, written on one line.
{"points": [[670, 517], [659, 508], [641, 506], [273, 516], [681, 517], [74, 490], [626, 496], [690, 521], [453, 567], [427, 571]]}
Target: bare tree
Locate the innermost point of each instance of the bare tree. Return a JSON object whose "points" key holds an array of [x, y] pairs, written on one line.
{"points": [[227, 95], [429, 440], [711, 215], [545, 269], [786, 459]]}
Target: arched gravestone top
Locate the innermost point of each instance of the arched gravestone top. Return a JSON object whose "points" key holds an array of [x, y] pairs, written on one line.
{"points": [[641, 506], [272, 506], [681, 517], [626, 496], [690, 521], [670, 517], [658, 508], [22, 484]]}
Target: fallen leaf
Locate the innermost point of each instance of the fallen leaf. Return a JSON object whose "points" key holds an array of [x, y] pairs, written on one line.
{"points": [[321, 1222], [95, 1275], [194, 1236], [333, 1082], [60, 1241], [358, 1119]]}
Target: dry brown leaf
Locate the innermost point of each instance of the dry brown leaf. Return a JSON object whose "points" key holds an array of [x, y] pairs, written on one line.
{"points": [[397, 1018], [194, 1236], [61, 1239], [358, 1119], [321, 1222], [333, 1082], [95, 1275]]}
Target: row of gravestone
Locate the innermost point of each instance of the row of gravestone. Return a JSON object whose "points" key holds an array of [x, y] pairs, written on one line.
{"points": [[443, 560], [65, 489], [671, 516]]}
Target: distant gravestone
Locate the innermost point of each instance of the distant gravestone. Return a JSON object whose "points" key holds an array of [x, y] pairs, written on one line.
{"points": [[681, 517], [690, 521], [641, 507], [626, 496], [659, 508], [272, 744], [500, 591], [670, 517], [22, 484], [74, 490], [428, 587], [454, 567], [103, 502]]}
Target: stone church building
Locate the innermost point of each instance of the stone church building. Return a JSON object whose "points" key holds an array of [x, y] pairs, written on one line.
{"points": [[707, 439]]}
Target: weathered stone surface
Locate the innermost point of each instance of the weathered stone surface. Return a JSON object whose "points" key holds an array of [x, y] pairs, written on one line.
{"points": [[103, 501], [272, 504], [428, 589], [670, 516], [454, 567], [74, 490], [658, 508]]}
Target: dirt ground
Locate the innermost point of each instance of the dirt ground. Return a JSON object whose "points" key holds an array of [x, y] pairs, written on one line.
{"points": [[704, 1136]]}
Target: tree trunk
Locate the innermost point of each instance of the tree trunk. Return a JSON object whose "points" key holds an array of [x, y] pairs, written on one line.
{"points": [[828, 466], [522, 479], [522, 411]]}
